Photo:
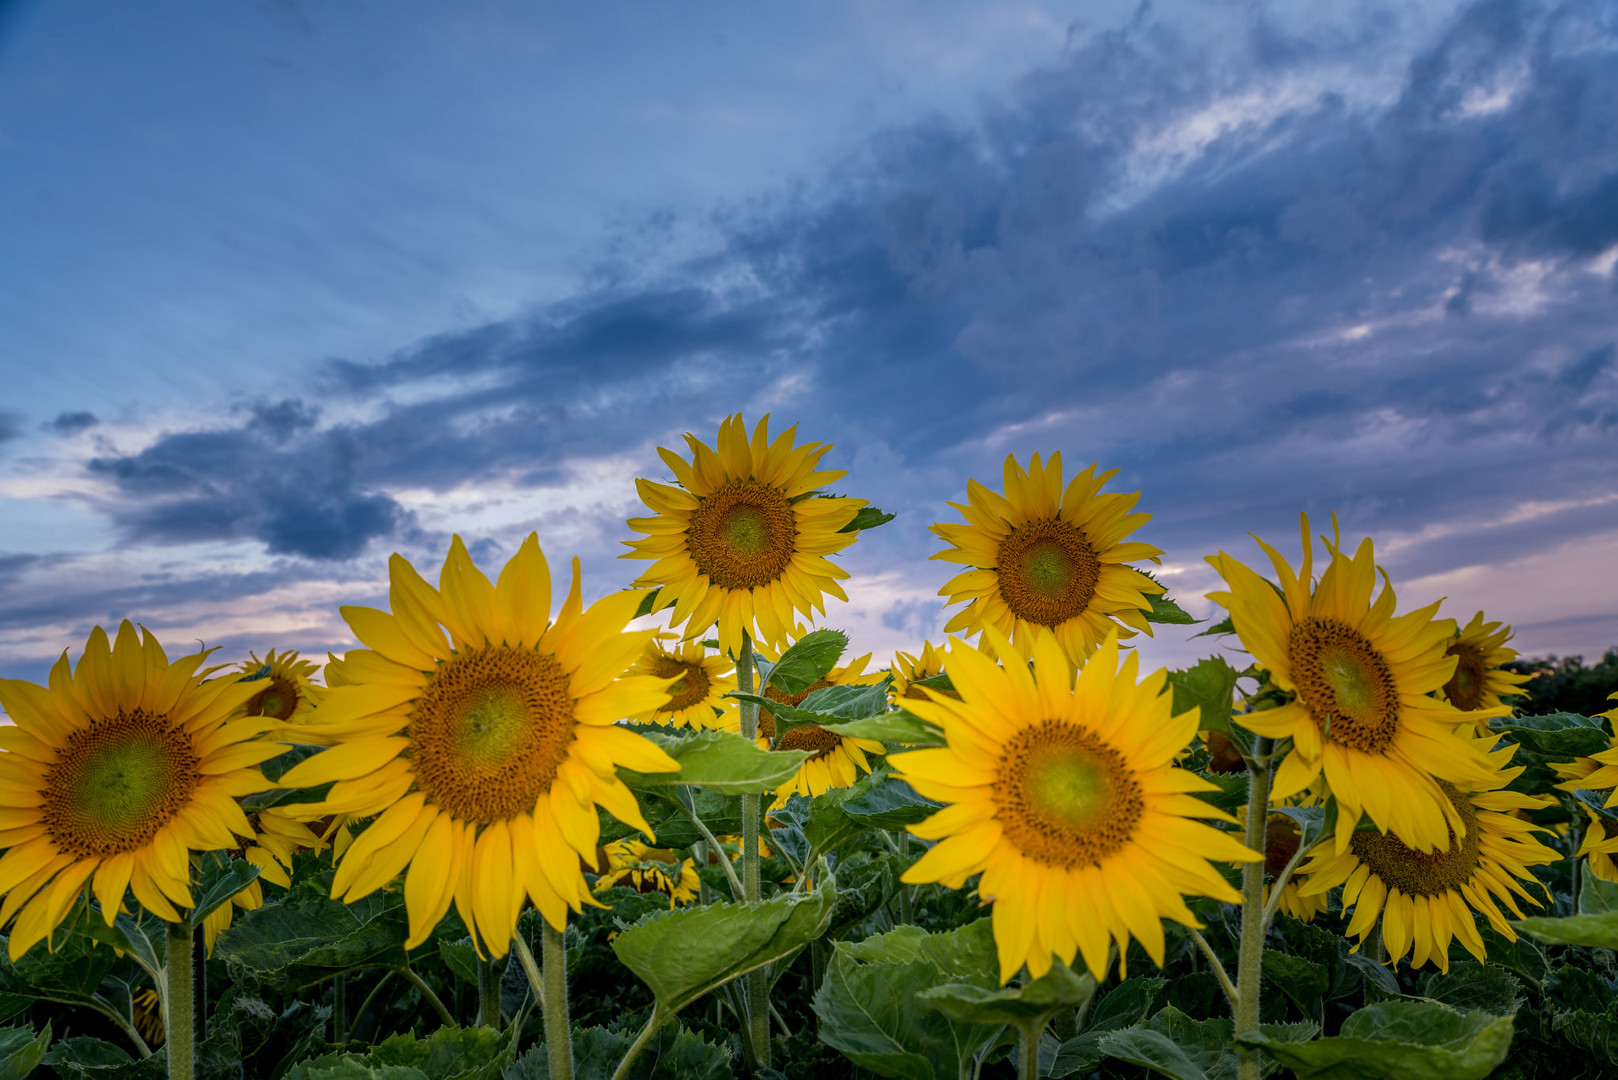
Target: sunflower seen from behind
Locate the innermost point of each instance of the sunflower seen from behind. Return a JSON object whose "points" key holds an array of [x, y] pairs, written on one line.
{"points": [[697, 693], [740, 542], [1064, 796], [1362, 678], [1425, 900], [483, 737], [1045, 554], [112, 774], [1481, 677]]}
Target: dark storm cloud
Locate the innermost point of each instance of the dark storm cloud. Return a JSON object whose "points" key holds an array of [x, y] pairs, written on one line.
{"points": [[68, 423], [1387, 308]]}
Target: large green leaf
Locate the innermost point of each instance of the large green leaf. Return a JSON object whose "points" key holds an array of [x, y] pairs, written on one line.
{"points": [[869, 517], [1127, 1004], [1397, 1040], [828, 705], [1017, 1005], [1303, 982], [870, 1010], [84, 1058], [1175, 1045], [1597, 897], [1470, 986], [307, 929], [888, 803], [1209, 685], [21, 1051], [672, 1054], [808, 661], [893, 727], [1164, 610], [1597, 931], [1557, 735], [684, 954], [719, 761]]}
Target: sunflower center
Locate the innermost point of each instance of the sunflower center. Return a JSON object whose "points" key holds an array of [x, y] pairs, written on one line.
{"points": [[116, 783], [811, 737], [490, 730], [279, 699], [1465, 688], [690, 688], [743, 535], [1064, 797], [1281, 840], [1345, 683], [1048, 572], [1419, 873]]}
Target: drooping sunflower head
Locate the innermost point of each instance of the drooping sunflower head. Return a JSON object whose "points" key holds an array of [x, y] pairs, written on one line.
{"points": [[1064, 796], [112, 773], [741, 541], [1362, 681], [1480, 676], [1426, 899], [633, 865], [284, 694], [697, 694], [483, 737], [834, 760], [909, 670], [1047, 555]]}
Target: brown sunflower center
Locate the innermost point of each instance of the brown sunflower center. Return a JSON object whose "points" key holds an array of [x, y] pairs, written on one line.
{"points": [[811, 737], [743, 535], [1465, 688], [690, 688], [1345, 683], [117, 782], [1048, 572], [279, 699], [1223, 754], [1281, 840], [1064, 797], [1418, 873], [490, 730]]}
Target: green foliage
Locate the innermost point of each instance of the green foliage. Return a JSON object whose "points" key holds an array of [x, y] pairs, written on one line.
{"points": [[1397, 1040], [869, 517], [893, 727], [1559, 736], [21, 1051], [808, 661], [1029, 1003], [1210, 686], [719, 761], [1126, 1005], [674, 1053], [1597, 931], [828, 705], [884, 802], [1566, 685], [1175, 1045], [220, 879]]}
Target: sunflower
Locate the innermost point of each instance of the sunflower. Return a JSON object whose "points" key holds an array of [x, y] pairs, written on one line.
{"points": [[275, 837], [1480, 674], [697, 694], [1362, 678], [1600, 840], [1282, 838], [648, 870], [1045, 555], [1065, 797], [284, 695], [484, 753], [835, 760], [112, 774], [908, 669], [1610, 714], [1426, 899], [740, 542]]}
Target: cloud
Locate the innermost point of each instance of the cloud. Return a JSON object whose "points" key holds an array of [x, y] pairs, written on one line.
{"points": [[69, 423], [10, 426]]}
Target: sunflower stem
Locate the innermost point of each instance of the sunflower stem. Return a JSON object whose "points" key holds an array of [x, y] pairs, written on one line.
{"points": [[1218, 967], [1252, 947], [199, 983], [683, 793], [488, 994], [427, 994], [1028, 1052], [758, 987], [179, 1011], [558, 1029], [653, 1022]]}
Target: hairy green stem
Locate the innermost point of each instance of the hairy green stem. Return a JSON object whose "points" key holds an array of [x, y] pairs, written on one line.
{"points": [[179, 1010], [1218, 968], [488, 994], [359, 1014], [682, 794], [758, 987], [653, 1022], [1252, 948], [558, 1029], [1028, 1052], [199, 982], [427, 993]]}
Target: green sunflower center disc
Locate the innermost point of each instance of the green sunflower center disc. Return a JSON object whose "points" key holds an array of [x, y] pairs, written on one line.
{"points": [[1345, 683], [490, 730], [1064, 797], [743, 535], [1048, 572], [1465, 688], [690, 689], [1419, 873], [116, 783]]}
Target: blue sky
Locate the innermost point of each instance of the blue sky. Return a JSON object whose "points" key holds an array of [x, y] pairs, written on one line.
{"points": [[291, 286]]}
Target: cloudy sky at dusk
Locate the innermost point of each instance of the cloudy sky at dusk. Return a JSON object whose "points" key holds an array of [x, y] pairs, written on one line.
{"points": [[289, 286]]}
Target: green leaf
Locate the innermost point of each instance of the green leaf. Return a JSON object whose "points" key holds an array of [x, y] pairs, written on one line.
{"points": [[305, 928], [1397, 1040], [1209, 686], [1302, 982], [1597, 897], [1164, 610], [221, 879], [1223, 626], [719, 761], [21, 1050], [1556, 735], [1596, 931], [1175, 1045], [893, 727], [888, 803], [648, 603], [869, 517], [672, 1054], [682, 955], [449, 1053], [1378, 974], [1522, 956], [69, 974], [870, 1010], [829, 704], [808, 661], [1127, 1004], [1030, 1004], [1471, 986], [85, 1058], [351, 1067]]}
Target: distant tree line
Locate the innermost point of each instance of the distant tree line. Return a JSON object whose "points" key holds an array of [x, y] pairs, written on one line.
{"points": [[1564, 684]]}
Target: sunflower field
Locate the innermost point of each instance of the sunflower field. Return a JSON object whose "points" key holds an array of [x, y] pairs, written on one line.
{"points": [[678, 832]]}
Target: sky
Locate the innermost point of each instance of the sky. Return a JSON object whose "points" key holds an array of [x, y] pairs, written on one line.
{"points": [[291, 286]]}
